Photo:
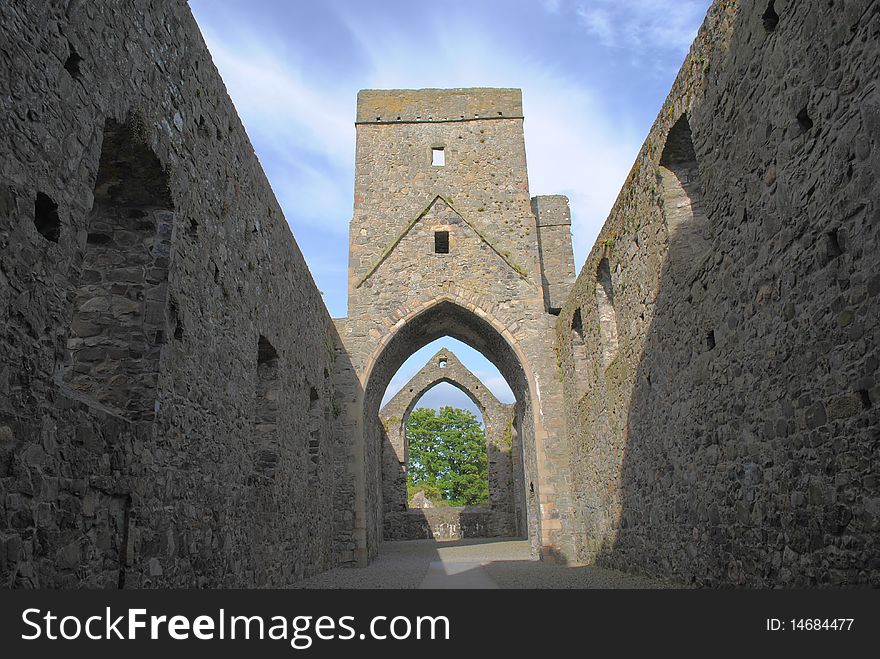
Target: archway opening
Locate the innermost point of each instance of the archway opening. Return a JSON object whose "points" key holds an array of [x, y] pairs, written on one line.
{"points": [[451, 451], [122, 311], [474, 360], [478, 331], [447, 458], [681, 190]]}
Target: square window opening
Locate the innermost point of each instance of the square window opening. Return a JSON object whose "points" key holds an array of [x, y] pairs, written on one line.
{"points": [[438, 156], [441, 242]]}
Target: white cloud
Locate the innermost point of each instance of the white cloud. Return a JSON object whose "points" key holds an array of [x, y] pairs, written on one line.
{"points": [[638, 24], [300, 124], [598, 23], [572, 148], [302, 120], [497, 385], [277, 97]]}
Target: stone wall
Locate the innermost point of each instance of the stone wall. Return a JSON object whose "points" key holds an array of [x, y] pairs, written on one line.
{"points": [[720, 346], [451, 249], [170, 380], [177, 408], [553, 219], [506, 504], [442, 524]]}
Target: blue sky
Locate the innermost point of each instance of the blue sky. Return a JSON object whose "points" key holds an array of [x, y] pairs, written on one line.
{"points": [[594, 74]]}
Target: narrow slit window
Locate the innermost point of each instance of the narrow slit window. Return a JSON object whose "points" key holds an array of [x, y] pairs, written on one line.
{"points": [[71, 64], [441, 242], [579, 356], [577, 326], [438, 156], [46, 217], [266, 406], [315, 423], [607, 313], [770, 17]]}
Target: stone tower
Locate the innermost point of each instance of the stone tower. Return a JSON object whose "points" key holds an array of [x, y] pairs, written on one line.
{"points": [[446, 240]]}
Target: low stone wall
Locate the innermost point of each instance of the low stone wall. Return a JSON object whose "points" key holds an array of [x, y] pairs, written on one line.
{"points": [[452, 523]]}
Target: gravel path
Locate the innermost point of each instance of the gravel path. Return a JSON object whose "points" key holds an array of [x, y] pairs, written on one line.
{"points": [[475, 563]]}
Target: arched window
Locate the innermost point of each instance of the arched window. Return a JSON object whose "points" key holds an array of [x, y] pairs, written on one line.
{"points": [[579, 356], [446, 456], [606, 311], [681, 191], [318, 417], [450, 441], [120, 311], [770, 17], [267, 391]]}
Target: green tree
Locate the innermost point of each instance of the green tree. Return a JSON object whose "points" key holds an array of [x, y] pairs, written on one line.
{"points": [[447, 455]]}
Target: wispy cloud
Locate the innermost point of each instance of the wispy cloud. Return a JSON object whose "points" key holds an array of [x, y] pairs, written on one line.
{"points": [[572, 148], [303, 121], [598, 23], [584, 124], [641, 24], [305, 129]]}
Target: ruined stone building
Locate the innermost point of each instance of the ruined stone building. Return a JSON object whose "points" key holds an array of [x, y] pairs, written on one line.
{"points": [[177, 408], [458, 249], [504, 513]]}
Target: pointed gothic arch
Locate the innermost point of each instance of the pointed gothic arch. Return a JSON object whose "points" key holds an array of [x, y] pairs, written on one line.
{"points": [[682, 194], [445, 315], [505, 514]]}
